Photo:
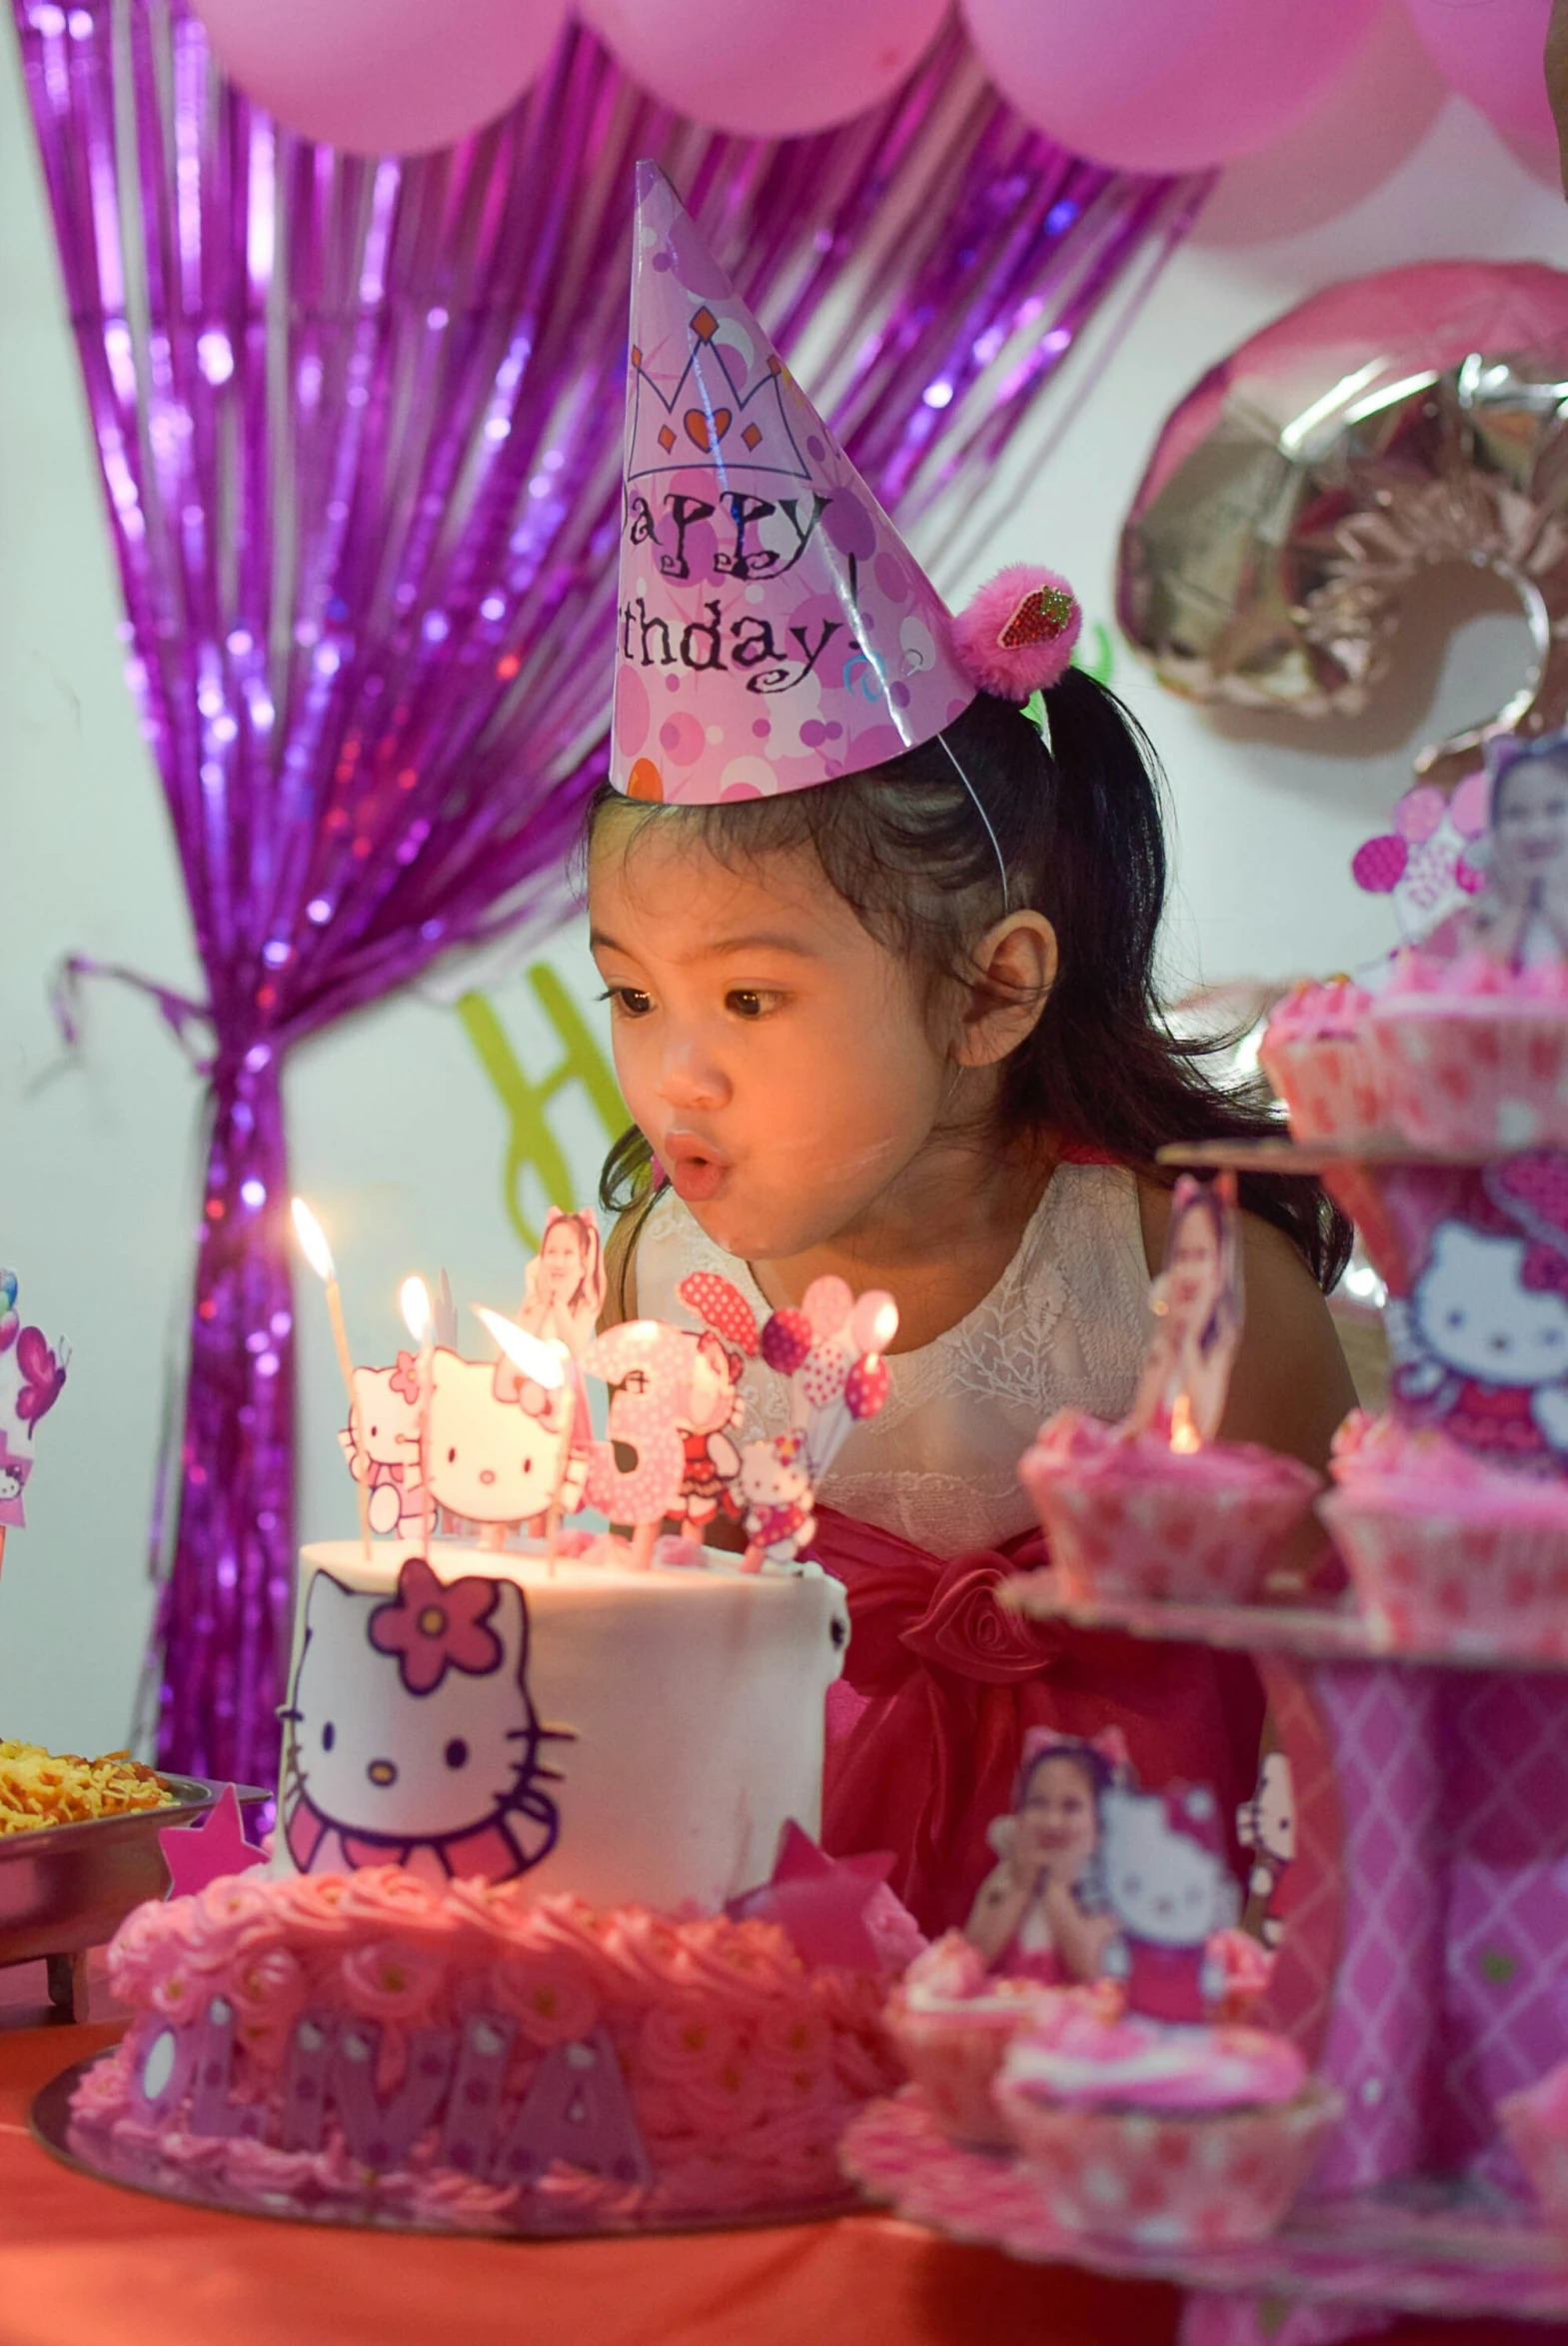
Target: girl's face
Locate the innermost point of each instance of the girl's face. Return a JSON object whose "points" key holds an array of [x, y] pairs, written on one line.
{"points": [[774, 1055], [1192, 1277], [561, 1259], [1530, 821], [1058, 1824]]}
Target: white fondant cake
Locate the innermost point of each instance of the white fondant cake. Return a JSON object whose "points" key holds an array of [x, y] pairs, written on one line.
{"points": [[628, 1736]]}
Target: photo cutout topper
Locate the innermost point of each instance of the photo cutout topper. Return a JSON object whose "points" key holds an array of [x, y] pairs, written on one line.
{"points": [[1477, 1316], [413, 1739], [565, 1285], [1041, 1913], [1198, 1310], [1514, 868]]}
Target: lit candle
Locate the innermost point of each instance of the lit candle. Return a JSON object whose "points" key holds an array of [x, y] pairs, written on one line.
{"points": [[546, 1363], [317, 1252], [419, 1319]]}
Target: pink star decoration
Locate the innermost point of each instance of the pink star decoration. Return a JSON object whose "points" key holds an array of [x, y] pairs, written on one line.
{"points": [[199, 1853], [835, 1910]]}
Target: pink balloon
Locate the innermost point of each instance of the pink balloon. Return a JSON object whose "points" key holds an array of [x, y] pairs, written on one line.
{"points": [[382, 77], [1150, 85], [1491, 52], [767, 68]]}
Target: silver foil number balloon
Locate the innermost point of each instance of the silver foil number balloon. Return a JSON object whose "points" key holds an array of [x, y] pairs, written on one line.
{"points": [[1393, 422]]}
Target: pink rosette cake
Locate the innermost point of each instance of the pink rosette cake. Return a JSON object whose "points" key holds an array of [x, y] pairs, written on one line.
{"points": [[953, 2021], [1128, 1517], [1316, 1055], [1536, 2126], [1472, 1054], [466, 2058], [1163, 2136], [1447, 1553]]}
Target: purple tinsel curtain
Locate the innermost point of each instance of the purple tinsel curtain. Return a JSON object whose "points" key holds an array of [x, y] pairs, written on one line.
{"points": [[360, 430]]}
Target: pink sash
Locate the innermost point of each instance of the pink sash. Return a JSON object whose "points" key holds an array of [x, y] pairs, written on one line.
{"points": [[947, 1684]]}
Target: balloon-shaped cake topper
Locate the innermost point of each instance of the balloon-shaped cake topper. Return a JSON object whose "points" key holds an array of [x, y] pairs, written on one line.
{"points": [[1388, 424], [32, 1377], [1197, 1306], [829, 1349]]}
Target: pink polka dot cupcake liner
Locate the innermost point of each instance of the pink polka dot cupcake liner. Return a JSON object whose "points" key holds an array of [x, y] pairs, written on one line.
{"points": [[1163, 2179], [1202, 1530], [1482, 1574], [955, 2057], [1458, 1077], [1536, 2126], [1331, 1085]]}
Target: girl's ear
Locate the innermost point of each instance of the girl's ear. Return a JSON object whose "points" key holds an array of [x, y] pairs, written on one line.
{"points": [[1014, 971]]}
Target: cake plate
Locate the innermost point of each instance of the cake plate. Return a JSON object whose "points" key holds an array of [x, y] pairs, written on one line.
{"points": [[145, 2169]]}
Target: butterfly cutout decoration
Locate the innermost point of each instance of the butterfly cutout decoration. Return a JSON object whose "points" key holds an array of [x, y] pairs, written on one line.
{"points": [[43, 1374]]}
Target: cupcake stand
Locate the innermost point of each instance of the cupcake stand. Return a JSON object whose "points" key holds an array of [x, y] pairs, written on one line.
{"points": [[1424, 1965]]}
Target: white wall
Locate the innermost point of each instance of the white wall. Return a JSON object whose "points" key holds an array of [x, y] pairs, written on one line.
{"points": [[397, 1135]]}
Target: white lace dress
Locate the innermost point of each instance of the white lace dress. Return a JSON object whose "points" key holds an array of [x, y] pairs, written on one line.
{"points": [[1067, 1322]]}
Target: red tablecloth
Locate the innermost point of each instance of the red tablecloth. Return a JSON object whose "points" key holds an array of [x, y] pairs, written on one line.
{"points": [[86, 2264]]}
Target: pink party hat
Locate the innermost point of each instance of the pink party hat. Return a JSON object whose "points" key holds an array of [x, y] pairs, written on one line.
{"points": [[774, 631]]}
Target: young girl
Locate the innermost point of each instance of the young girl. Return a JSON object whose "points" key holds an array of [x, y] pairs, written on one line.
{"points": [[890, 1012], [565, 1281], [1029, 1919]]}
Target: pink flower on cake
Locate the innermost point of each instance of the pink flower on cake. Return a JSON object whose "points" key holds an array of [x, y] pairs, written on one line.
{"points": [[681, 2042], [724, 2097], [433, 1625], [551, 1997], [392, 1898], [793, 2045], [173, 1993], [267, 1983], [315, 1904], [390, 1980], [221, 1919]]}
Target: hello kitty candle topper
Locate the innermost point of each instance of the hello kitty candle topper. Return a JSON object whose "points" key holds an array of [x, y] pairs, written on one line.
{"points": [[32, 1375]]}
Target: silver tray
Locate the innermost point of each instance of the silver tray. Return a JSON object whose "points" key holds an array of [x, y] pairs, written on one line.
{"points": [[70, 1887]]}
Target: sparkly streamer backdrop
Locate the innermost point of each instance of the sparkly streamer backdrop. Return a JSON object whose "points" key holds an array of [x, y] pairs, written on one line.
{"points": [[359, 424]]}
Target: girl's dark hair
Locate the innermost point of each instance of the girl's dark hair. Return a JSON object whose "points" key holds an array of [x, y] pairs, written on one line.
{"points": [[1079, 830]]}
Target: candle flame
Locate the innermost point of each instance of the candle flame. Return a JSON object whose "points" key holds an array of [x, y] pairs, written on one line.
{"points": [[1184, 1435], [414, 1304], [535, 1358], [885, 1327], [313, 1241]]}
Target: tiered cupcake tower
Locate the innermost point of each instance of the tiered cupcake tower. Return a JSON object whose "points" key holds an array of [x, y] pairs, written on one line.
{"points": [[1425, 1714]]}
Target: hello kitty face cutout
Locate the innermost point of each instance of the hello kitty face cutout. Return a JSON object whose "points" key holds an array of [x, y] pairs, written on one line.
{"points": [[489, 1458], [413, 1739], [1169, 1889], [14, 1470], [1480, 1345]]}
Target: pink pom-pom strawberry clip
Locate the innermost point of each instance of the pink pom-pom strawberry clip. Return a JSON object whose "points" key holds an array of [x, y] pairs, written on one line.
{"points": [[1016, 634]]}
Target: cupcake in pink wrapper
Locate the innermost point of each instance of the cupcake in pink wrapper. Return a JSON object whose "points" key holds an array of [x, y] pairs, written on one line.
{"points": [[1447, 1553], [952, 2022], [1473, 1055], [1316, 1054], [1128, 1515], [1536, 2126], [1162, 2136]]}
